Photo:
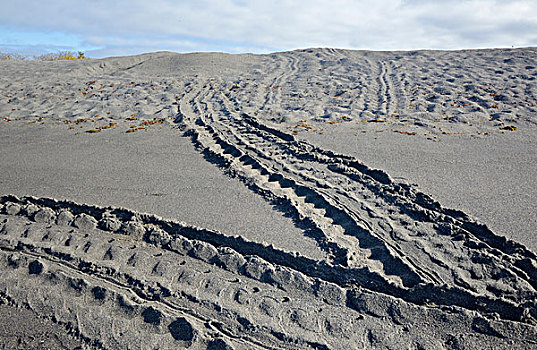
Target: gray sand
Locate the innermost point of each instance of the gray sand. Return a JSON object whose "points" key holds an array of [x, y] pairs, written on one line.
{"points": [[157, 172], [320, 198], [492, 179], [22, 329]]}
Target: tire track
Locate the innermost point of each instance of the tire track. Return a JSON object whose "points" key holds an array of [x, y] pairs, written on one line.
{"points": [[372, 99], [329, 220], [384, 92], [396, 81], [94, 245], [291, 67], [282, 71], [366, 206], [318, 205], [173, 285], [395, 254], [419, 206]]}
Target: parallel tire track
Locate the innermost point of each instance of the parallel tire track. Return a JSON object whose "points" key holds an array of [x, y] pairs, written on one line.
{"points": [[399, 266], [174, 285], [374, 216]]}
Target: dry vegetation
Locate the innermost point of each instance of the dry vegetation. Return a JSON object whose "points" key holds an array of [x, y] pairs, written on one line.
{"points": [[62, 56], [10, 56], [56, 56]]}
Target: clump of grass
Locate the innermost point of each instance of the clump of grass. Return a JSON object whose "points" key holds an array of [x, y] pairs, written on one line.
{"points": [[376, 120], [135, 128], [11, 56], [102, 127], [405, 132], [152, 122], [62, 56]]}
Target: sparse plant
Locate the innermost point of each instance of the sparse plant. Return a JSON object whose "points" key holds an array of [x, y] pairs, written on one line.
{"points": [[5, 57], [11, 56], [62, 56]]}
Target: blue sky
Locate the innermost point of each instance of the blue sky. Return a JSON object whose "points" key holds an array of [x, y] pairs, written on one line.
{"points": [[125, 27]]}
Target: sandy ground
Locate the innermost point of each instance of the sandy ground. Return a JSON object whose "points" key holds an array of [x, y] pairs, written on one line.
{"points": [[174, 180], [311, 199], [489, 178]]}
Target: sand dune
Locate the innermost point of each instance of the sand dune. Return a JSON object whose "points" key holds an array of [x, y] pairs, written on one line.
{"points": [[319, 249]]}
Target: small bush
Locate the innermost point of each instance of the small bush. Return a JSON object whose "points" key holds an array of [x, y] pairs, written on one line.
{"points": [[62, 56]]}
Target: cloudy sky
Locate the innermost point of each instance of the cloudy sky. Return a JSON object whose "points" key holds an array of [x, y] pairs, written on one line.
{"points": [[123, 27]]}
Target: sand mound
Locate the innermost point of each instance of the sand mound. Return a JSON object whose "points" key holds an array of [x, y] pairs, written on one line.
{"points": [[386, 266]]}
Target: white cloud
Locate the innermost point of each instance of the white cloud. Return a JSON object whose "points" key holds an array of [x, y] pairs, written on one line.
{"points": [[280, 24]]}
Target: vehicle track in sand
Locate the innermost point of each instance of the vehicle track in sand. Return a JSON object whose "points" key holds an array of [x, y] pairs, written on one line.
{"points": [[401, 269], [170, 284], [364, 219]]}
